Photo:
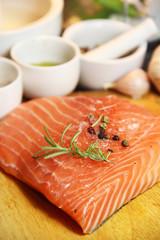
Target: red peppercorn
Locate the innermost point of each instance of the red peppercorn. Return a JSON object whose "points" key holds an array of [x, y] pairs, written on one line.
{"points": [[91, 130]]}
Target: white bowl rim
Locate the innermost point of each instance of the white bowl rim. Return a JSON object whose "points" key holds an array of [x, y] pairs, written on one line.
{"points": [[47, 16], [46, 68], [86, 22], [19, 73], [140, 49]]}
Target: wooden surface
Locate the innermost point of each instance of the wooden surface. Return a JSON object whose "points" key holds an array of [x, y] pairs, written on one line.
{"points": [[27, 215]]}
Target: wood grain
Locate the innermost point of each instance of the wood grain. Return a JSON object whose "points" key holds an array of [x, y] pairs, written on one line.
{"points": [[27, 215]]}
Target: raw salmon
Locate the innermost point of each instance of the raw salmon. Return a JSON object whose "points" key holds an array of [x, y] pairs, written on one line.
{"points": [[89, 191]]}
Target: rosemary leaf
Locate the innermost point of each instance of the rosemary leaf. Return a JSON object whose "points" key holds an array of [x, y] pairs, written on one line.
{"points": [[98, 120], [95, 144], [100, 152], [49, 136], [50, 147], [103, 108], [89, 147], [38, 157], [55, 154], [94, 151], [74, 137], [95, 158], [51, 143], [64, 133]]}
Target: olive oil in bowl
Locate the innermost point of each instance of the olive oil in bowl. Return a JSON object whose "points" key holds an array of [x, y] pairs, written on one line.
{"points": [[45, 64]]}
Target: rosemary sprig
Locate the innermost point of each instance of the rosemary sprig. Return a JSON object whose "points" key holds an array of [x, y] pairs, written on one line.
{"points": [[92, 151]]}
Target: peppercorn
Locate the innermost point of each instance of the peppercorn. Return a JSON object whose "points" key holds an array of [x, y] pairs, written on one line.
{"points": [[91, 130], [102, 130], [115, 138], [103, 125], [101, 133], [90, 116], [125, 143], [105, 119], [107, 136]]}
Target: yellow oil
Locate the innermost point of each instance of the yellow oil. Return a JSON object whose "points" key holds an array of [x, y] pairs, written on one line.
{"points": [[45, 64]]}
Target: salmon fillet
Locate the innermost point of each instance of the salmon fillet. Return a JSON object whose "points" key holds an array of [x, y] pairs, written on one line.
{"points": [[87, 190]]}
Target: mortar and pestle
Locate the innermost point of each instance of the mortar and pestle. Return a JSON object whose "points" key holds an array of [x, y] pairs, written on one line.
{"points": [[105, 63]]}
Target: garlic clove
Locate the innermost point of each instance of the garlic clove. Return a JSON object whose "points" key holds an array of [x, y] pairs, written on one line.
{"points": [[154, 68], [134, 83]]}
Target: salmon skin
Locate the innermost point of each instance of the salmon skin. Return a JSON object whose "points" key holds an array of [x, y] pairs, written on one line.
{"points": [[87, 190]]}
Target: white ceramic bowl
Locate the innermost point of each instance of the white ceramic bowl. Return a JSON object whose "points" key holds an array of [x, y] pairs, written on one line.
{"points": [[11, 89], [40, 81], [89, 33], [23, 19]]}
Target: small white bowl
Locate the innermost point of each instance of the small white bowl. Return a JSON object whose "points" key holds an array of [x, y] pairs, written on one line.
{"points": [[23, 19], [11, 89], [43, 81], [89, 33]]}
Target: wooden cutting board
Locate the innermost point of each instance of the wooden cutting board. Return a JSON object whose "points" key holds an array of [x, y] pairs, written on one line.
{"points": [[27, 215]]}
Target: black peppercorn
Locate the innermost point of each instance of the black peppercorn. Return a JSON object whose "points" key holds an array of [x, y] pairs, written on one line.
{"points": [[101, 134], [115, 138]]}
